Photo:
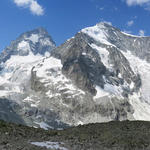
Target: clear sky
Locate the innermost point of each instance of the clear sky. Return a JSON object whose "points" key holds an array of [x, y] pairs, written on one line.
{"points": [[64, 18]]}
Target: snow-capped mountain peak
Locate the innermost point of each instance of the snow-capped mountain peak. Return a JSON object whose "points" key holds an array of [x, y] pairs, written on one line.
{"points": [[97, 32], [36, 41], [135, 56], [38, 35], [98, 75]]}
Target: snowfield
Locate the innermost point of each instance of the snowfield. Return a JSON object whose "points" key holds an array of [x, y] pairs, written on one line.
{"points": [[51, 145]]}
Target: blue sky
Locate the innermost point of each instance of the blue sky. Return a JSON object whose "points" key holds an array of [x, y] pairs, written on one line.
{"points": [[64, 18]]}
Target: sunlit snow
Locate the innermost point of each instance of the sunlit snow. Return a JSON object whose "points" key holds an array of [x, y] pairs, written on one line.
{"points": [[34, 38], [100, 92], [49, 73], [14, 68], [44, 125], [103, 54], [97, 32], [143, 68], [51, 145], [24, 46]]}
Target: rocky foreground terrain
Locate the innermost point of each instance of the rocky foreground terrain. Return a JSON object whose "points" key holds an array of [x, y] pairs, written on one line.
{"points": [[125, 135]]}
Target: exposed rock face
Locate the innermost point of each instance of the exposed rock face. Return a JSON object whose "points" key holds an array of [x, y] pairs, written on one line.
{"points": [[139, 46], [82, 63], [84, 70], [95, 76], [121, 65]]}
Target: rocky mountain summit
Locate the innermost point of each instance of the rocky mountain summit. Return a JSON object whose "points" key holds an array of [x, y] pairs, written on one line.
{"points": [[99, 75]]}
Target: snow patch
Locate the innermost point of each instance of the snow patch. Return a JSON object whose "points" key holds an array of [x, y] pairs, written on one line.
{"points": [[80, 123], [28, 99], [34, 38], [84, 53], [141, 108], [23, 46], [110, 89], [51, 145], [44, 125], [49, 73], [135, 36], [132, 85], [47, 54], [98, 33], [3, 93], [33, 105], [103, 53], [113, 89], [119, 75], [143, 68], [46, 42], [100, 92], [50, 63]]}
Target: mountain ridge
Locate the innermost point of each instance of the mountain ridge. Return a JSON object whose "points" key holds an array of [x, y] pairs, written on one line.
{"points": [[90, 78]]}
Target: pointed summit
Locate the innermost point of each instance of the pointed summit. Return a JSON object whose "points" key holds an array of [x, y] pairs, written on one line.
{"points": [[40, 31], [104, 23], [36, 35], [36, 41]]}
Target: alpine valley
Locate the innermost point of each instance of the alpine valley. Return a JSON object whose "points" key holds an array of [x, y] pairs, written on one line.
{"points": [[99, 75]]}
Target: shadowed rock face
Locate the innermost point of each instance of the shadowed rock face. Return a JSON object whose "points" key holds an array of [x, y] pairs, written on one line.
{"points": [[121, 65], [84, 70], [83, 65], [8, 111]]}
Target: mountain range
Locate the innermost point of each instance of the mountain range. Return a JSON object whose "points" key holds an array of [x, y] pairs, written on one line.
{"points": [[101, 74]]}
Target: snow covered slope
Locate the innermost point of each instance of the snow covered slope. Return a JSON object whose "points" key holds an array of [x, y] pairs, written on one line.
{"points": [[16, 63], [17, 60], [99, 75]]}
